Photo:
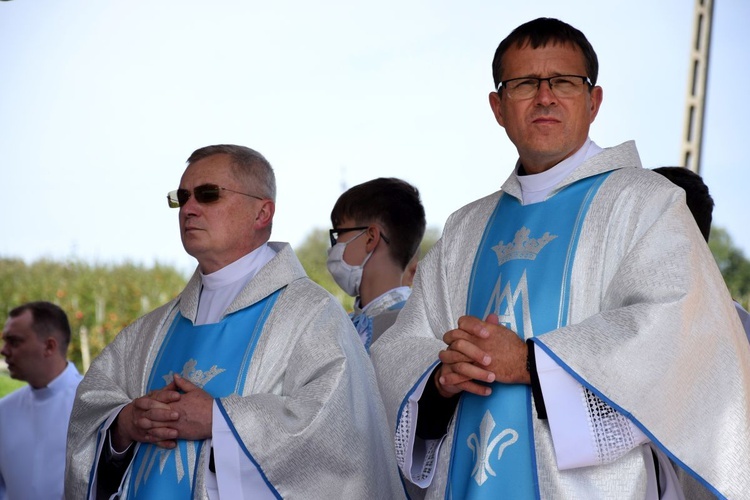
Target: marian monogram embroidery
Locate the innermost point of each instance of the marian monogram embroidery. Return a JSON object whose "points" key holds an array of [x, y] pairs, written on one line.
{"points": [[482, 448], [154, 454], [504, 297]]}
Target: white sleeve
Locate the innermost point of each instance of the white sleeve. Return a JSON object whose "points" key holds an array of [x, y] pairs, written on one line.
{"points": [[236, 476], [585, 430], [416, 457]]}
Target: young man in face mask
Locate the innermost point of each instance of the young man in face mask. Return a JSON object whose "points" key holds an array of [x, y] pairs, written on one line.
{"points": [[377, 229]]}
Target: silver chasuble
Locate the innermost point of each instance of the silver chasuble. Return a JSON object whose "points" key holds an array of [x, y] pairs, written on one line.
{"points": [[522, 273], [208, 356]]}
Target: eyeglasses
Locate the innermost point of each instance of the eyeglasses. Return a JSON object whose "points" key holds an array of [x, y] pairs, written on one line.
{"points": [[335, 233], [527, 87], [205, 193]]}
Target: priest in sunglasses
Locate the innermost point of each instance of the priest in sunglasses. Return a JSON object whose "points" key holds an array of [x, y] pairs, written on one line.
{"points": [[252, 383]]}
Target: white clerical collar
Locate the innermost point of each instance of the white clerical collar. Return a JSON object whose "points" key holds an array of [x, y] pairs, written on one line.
{"points": [[222, 287], [243, 268], [55, 384], [536, 187]]}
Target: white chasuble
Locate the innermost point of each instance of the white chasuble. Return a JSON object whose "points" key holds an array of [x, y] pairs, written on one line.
{"points": [[650, 330]]}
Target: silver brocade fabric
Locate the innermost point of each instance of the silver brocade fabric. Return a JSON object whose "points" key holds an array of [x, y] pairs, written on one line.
{"points": [[309, 414], [652, 328]]}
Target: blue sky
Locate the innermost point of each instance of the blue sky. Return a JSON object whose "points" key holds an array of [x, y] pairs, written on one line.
{"points": [[102, 102]]}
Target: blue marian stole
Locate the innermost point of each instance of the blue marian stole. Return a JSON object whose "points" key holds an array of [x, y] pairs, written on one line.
{"points": [[521, 273], [215, 357]]}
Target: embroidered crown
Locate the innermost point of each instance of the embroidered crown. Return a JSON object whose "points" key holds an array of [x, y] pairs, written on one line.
{"points": [[197, 377], [522, 247]]}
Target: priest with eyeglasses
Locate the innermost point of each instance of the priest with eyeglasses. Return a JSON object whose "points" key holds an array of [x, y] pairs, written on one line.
{"points": [[252, 383], [570, 335]]}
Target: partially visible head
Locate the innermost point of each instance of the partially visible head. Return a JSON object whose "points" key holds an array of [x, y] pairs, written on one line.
{"points": [[553, 121], [393, 204], [411, 270], [35, 342], [540, 33], [219, 232], [698, 199]]}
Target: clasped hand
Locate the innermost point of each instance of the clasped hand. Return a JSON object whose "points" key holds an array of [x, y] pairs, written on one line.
{"points": [[181, 410], [480, 352]]}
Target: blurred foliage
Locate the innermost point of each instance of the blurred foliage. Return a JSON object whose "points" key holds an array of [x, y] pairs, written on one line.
{"points": [[8, 385], [102, 299], [313, 253], [99, 299], [734, 266]]}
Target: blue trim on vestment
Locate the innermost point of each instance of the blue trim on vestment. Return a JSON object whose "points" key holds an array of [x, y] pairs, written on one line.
{"points": [[237, 437], [165, 341], [96, 462], [218, 355], [532, 441], [577, 226], [448, 484], [411, 391], [270, 302], [622, 411], [521, 272]]}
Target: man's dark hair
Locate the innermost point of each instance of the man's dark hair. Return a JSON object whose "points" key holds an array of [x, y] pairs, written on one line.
{"points": [[698, 198], [48, 320], [391, 202], [540, 33]]}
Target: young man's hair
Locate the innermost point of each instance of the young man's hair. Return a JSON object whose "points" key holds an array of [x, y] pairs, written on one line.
{"points": [[47, 320], [394, 204], [540, 33], [698, 199]]}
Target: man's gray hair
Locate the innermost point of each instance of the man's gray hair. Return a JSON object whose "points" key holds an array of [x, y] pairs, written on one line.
{"points": [[250, 167]]}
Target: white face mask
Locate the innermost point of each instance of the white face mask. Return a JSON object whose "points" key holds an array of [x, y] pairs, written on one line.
{"points": [[345, 275]]}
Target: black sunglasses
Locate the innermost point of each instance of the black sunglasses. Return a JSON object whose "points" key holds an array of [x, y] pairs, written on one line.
{"points": [[205, 193], [335, 233]]}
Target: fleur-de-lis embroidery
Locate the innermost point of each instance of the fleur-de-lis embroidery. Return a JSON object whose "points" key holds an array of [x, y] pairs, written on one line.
{"points": [[482, 447]]}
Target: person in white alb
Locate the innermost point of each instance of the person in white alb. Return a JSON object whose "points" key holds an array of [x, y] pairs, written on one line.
{"points": [[34, 418], [252, 383], [569, 336]]}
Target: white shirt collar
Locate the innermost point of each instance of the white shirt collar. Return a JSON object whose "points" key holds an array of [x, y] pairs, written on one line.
{"points": [[244, 267], [536, 187], [220, 288]]}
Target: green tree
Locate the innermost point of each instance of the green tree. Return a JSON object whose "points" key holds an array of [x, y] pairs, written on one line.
{"points": [[734, 266], [100, 300], [8, 385]]}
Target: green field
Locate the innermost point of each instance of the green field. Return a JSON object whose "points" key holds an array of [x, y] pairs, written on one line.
{"points": [[8, 384]]}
